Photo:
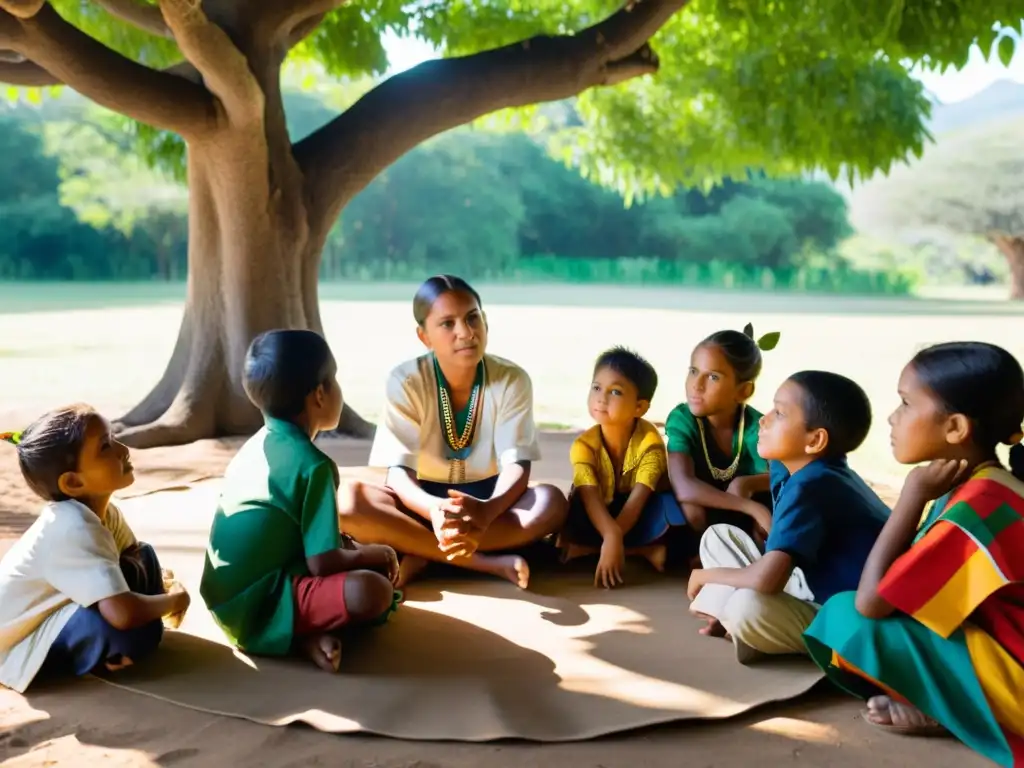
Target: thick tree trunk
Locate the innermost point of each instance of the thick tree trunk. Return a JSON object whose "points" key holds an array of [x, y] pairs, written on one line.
{"points": [[251, 268], [260, 209], [1012, 247], [253, 259]]}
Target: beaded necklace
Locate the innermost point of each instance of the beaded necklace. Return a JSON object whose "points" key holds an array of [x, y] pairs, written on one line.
{"points": [[458, 445], [727, 474]]}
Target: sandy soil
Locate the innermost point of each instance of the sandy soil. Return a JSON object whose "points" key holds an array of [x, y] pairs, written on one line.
{"points": [[88, 722]]}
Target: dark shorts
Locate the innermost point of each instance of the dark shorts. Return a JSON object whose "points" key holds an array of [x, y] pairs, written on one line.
{"points": [[480, 489], [88, 644], [659, 514]]}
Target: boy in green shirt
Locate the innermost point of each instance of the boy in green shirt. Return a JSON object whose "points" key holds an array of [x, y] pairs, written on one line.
{"points": [[279, 577]]}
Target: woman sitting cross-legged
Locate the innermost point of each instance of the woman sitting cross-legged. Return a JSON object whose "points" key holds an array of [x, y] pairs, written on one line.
{"points": [[458, 438]]}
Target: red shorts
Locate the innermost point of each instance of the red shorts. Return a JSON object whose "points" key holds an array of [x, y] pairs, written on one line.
{"points": [[319, 603]]}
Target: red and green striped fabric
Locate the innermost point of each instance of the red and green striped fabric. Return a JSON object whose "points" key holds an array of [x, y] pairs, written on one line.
{"points": [[973, 549], [955, 648]]}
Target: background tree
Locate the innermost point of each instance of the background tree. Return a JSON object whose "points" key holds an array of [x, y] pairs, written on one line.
{"points": [[745, 84], [971, 184], [106, 184], [39, 237]]}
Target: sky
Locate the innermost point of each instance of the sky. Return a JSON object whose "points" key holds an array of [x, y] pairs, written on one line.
{"points": [[951, 87]]}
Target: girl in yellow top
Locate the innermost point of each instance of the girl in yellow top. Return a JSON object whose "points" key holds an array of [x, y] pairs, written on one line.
{"points": [[615, 508]]}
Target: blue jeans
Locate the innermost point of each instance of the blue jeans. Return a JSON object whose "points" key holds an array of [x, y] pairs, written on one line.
{"points": [[87, 643]]}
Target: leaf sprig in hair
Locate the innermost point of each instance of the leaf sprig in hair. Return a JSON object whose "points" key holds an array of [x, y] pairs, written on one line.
{"points": [[766, 343]]}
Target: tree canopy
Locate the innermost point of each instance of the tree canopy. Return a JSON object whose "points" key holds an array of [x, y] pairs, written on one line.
{"points": [[774, 86], [970, 184], [780, 86]]}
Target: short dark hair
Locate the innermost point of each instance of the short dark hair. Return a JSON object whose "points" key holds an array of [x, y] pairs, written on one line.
{"points": [[51, 446], [983, 382], [740, 351], [434, 288], [633, 367], [282, 367], [838, 405]]}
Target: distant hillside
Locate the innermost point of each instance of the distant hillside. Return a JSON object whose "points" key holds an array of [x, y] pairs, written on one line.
{"points": [[1001, 99], [936, 211], [964, 124]]}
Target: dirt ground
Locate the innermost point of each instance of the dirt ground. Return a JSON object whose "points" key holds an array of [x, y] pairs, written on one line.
{"points": [[88, 722]]}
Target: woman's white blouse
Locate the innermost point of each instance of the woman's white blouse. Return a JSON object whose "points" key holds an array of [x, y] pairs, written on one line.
{"points": [[410, 433]]}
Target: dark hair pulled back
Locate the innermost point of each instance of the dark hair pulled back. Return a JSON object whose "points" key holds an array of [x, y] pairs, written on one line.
{"points": [[434, 288], [983, 382]]}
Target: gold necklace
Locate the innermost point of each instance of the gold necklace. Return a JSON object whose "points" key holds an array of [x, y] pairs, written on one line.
{"points": [[460, 442], [729, 472]]}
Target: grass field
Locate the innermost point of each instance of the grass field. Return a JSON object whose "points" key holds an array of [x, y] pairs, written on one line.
{"points": [[107, 344]]}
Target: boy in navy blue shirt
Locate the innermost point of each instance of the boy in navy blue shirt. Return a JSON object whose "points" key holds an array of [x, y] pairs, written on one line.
{"points": [[824, 523]]}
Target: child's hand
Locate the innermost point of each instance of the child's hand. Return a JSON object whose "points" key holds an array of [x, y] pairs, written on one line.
{"points": [[696, 583], [168, 578], [611, 563], [761, 514], [933, 480], [456, 524], [466, 506], [174, 619], [446, 530], [740, 487], [381, 556]]}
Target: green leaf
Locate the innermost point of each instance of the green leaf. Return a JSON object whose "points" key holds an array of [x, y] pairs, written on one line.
{"points": [[748, 330], [769, 341], [1006, 50]]}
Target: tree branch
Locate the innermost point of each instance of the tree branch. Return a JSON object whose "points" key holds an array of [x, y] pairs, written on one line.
{"points": [[160, 99], [288, 18], [21, 9], [26, 74], [141, 15], [224, 68], [342, 157]]}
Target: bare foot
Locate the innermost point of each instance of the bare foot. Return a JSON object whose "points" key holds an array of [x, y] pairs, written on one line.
{"points": [[655, 555], [573, 551], [324, 650], [409, 569], [714, 628], [511, 567], [885, 712]]}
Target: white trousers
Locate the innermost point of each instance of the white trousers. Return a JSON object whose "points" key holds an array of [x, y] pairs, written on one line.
{"points": [[758, 623]]}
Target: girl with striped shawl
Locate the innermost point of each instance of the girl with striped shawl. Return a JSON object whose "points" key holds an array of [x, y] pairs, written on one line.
{"points": [[934, 636]]}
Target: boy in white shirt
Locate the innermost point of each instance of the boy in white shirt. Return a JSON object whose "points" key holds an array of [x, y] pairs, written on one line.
{"points": [[78, 593]]}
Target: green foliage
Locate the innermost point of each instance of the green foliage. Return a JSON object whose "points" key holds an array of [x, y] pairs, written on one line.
{"points": [[779, 85], [464, 215], [1006, 49], [769, 341], [124, 38], [71, 214], [475, 202]]}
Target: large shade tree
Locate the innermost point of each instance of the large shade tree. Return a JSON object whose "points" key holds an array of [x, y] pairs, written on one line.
{"points": [[972, 183], [780, 85]]}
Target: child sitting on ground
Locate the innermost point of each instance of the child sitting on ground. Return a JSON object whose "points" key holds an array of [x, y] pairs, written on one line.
{"points": [[78, 593], [825, 522], [278, 576], [615, 507], [716, 473]]}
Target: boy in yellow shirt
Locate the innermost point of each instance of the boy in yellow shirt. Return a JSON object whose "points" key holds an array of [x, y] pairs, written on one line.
{"points": [[615, 506]]}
